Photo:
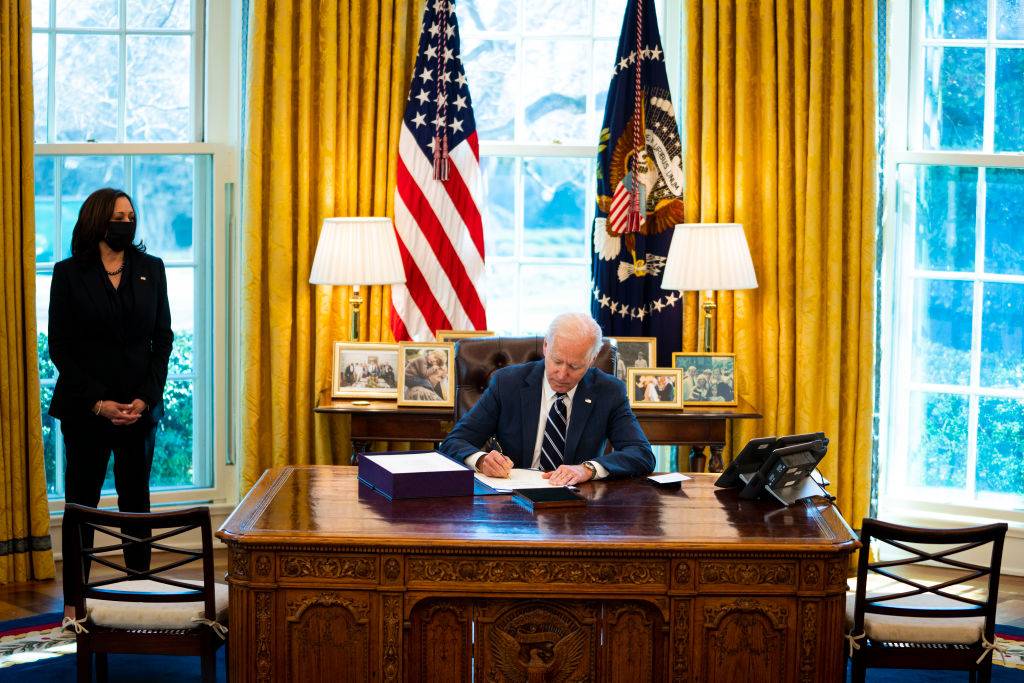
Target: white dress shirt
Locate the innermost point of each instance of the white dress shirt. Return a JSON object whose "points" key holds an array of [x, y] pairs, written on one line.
{"points": [[546, 400]]}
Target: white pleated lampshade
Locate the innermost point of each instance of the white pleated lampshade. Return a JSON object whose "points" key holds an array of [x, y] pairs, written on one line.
{"points": [[357, 251], [706, 256]]}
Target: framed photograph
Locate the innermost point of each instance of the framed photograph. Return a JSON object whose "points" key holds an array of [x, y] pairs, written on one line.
{"points": [[709, 379], [654, 387], [365, 370], [426, 375], [635, 352], [453, 335]]}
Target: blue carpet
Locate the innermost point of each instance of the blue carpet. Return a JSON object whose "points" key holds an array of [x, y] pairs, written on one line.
{"points": [[123, 669]]}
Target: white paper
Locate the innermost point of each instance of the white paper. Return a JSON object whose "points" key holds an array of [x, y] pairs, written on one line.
{"points": [[670, 478], [517, 479], [414, 462]]}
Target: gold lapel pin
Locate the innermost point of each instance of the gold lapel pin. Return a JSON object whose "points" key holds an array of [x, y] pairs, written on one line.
{"points": [[587, 400], [142, 277]]}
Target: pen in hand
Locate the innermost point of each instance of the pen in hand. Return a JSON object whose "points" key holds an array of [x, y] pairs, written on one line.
{"points": [[495, 463]]}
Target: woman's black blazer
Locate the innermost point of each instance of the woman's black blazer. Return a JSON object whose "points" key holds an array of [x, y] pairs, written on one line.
{"points": [[92, 352]]}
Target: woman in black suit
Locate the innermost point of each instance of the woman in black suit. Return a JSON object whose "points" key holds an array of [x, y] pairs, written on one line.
{"points": [[110, 339]]}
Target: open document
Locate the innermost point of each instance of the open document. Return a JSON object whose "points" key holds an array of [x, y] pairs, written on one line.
{"points": [[517, 479]]}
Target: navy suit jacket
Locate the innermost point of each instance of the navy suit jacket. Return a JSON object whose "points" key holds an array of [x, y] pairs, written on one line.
{"points": [[509, 410]]}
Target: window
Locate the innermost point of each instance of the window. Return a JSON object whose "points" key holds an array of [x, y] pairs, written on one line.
{"points": [[118, 102], [953, 290], [539, 73]]}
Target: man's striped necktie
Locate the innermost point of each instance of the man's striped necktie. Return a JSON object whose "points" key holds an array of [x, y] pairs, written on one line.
{"points": [[552, 447]]}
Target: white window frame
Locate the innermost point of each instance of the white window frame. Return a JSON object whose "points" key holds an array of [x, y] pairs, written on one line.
{"points": [[217, 124], [671, 25], [904, 97]]}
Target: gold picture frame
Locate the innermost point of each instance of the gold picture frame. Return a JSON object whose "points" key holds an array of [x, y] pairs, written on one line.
{"points": [[364, 370], [426, 375], [709, 379], [630, 350], [454, 335], [654, 388]]}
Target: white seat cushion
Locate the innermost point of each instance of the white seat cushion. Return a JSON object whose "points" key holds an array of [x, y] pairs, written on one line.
{"points": [[882, 627], [155, 615]]}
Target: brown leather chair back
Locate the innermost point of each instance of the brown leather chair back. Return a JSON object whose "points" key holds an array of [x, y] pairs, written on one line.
{"points": [[477, 358]]}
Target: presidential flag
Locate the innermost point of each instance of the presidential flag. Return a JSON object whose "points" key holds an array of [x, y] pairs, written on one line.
{"points": [[437, 207], [639, 191]]}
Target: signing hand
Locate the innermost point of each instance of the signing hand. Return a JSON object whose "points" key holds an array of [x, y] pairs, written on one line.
{"points": [[567, 475], [117, 413], [494, 464]]}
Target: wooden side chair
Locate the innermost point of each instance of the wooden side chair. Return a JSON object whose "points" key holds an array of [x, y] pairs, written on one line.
{"points": [[911, 625], [143, 612]]}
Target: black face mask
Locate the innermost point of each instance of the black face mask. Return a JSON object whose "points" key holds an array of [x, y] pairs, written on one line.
{"points": [[119, 235]]}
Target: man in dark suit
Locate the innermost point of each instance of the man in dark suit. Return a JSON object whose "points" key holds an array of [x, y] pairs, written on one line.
{"points": [[555, 414]]}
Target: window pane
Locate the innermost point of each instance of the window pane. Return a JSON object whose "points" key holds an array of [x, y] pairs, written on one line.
{"points": [[604, 62], [40, 83], [46, 367], [487, 15], [86, 74], [955, 18], [555, 105], [86, 13], [164, 198], [553, 207], [608, 17], [1002, 335], [46, 210], [938, 440], [1004, 207], [157, 97], [51, 433], [548, 290], [946, 210], [169, 14], [557, 16], [1009, 131], [1000, 445], [499, 198], [1010, 19], [181, 297], [493, 81], [80, 177], [942, 332], [172, 459], [954, 97], [502, 279], [40, 13]]}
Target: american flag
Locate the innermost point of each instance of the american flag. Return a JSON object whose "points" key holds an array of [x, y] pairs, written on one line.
{"points": [[437, 210]]}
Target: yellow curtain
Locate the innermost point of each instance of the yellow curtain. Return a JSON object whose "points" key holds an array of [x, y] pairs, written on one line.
{"points": [[327, 88], [24, 514], [780, 129]]}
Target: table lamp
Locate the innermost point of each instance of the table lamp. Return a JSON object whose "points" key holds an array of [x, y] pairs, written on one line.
{"points": [[357, 251], [708, 257]]}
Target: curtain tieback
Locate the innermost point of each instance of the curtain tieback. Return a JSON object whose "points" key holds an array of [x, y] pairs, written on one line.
{"points": [[218, 628], [988, 648], [77, 624]]}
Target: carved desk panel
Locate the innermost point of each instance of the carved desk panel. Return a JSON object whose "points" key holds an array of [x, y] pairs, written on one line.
{"points": [[332, 582]]}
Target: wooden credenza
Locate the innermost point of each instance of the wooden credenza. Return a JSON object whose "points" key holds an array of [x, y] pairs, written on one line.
{"points": [[332, 582], [698, 427]]}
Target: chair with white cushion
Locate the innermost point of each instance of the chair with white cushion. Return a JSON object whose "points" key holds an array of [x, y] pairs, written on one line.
{"points": [[153, 611], [909, 624]]}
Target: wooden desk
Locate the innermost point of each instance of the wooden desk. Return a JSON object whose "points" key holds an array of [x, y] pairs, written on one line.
{"points": [[331, 582], [697, 427]]}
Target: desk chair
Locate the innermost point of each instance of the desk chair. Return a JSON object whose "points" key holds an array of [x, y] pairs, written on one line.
{"points": [[914, 626], [143, 612], [476, 359]]}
